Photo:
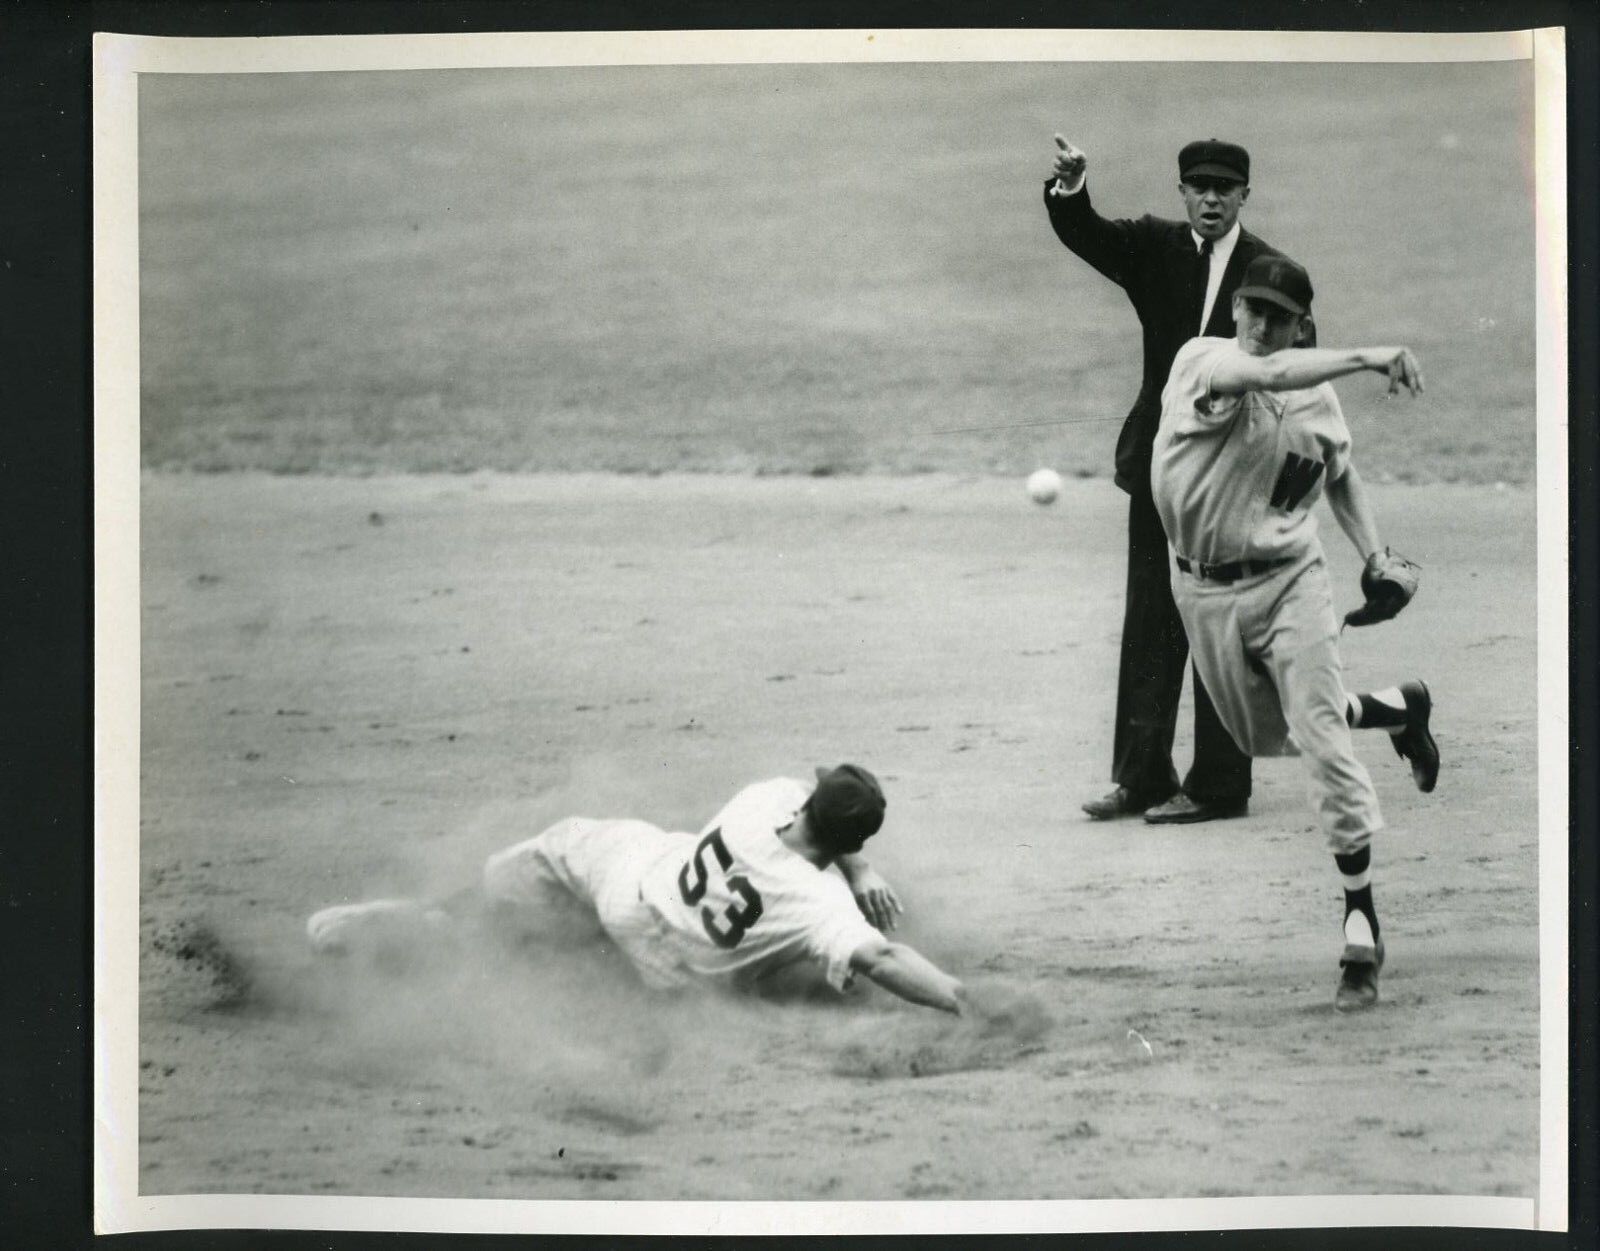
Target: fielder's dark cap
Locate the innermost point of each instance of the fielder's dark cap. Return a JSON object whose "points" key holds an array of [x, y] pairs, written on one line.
{"points": [[847, 805], [1214, 158], [1278, 280]]}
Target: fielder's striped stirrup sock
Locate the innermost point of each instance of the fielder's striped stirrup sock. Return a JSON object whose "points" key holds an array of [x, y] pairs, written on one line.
{"points": [[1356, 871], [1379, 710]]}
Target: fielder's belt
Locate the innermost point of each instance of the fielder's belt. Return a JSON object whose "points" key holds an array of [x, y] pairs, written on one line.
{"points": [[1232, 571]]}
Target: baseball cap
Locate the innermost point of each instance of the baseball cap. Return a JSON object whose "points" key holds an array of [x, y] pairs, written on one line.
{"points": [[847, 806], [1214, 158], [1278, 280]]}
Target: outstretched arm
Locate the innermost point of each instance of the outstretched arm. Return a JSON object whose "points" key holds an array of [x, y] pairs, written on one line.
{"points": [[1110, 246], [874, 896], [903, 971], [1295, 368], [1347, 496]]}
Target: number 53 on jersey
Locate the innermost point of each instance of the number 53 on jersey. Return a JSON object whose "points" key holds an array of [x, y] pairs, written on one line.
{"points": [[695, 879]]}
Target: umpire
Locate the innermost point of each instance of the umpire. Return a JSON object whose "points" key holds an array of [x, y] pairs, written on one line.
{"points": [[1180, 277]]}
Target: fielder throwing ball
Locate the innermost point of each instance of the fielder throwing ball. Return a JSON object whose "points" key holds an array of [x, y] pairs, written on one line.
{"points": [[1250, 433], [748, 898]]}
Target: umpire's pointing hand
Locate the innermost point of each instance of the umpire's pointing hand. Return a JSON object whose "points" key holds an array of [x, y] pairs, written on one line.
{"points": [[1069, 168]]}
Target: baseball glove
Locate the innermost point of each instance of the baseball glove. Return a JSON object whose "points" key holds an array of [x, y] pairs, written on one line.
{"points": [[1388, 582]]}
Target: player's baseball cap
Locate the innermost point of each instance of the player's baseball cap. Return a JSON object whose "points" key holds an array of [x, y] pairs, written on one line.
{"points": [[847, 806], [1278, 280], [1214, 158]]}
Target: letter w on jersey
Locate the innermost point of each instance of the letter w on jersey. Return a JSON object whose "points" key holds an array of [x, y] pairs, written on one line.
{"points": [[740, 916], [1295, 480]]}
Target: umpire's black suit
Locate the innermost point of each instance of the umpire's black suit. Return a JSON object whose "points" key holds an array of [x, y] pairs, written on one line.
{"points": [[1158, 264]]}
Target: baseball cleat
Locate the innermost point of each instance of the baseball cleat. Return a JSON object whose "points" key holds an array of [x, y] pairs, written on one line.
{"points": [[1359, 967], [1414, 743], [372, 926]]}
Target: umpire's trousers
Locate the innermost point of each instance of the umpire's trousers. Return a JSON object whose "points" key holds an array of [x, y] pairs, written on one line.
{"points": [[1155, 652]]}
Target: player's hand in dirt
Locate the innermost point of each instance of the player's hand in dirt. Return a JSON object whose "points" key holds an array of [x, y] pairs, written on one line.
{"points": [[1400, 364], [1070, 167], [876, 898], [998, 1010]]}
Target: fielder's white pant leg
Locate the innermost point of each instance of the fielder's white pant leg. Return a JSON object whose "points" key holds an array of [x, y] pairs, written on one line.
{"points": [[1241, 689], [1303, 653]]}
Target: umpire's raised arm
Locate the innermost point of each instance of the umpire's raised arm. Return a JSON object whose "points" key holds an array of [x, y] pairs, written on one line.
{"points": [[1107, 245]]}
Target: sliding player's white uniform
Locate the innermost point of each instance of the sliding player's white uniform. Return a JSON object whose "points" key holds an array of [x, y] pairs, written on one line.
{"points": [[728, 908]]}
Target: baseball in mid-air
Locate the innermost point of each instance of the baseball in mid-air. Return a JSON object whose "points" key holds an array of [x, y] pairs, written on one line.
{"points": [[1044, 485]]}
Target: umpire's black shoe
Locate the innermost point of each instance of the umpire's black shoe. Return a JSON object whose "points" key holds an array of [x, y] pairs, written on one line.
{"points": [[1121, 803], [1358, 977], [1415, 743], [1182, 809]]}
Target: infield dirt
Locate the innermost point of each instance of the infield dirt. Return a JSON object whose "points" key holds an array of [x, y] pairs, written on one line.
{"points": [[360, 687], [830, 292]]}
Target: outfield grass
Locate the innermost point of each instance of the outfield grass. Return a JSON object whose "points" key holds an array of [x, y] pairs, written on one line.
{"points": [[789, 269]]}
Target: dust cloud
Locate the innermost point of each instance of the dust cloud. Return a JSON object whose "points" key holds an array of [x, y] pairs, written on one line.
{"points": [[569, 1028]]}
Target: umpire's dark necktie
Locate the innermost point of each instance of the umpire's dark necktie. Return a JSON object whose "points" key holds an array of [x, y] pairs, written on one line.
{"points": [[1202, 278]]}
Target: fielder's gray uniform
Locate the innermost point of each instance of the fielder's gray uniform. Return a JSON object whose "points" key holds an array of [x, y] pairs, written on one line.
{"points": [[1235, 478]]}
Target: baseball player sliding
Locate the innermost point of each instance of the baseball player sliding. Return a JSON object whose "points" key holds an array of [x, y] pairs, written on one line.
{"points": [[1251, 433], [748, 898]]}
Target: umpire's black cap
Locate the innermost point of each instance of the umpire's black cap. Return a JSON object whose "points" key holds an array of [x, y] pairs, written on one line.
{"points": [[1214, 158], [847, 807]]}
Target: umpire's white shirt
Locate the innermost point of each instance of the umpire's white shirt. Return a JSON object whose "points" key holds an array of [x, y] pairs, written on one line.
{"points": [[1221, 253], [803, 912], [1235, 477]]}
